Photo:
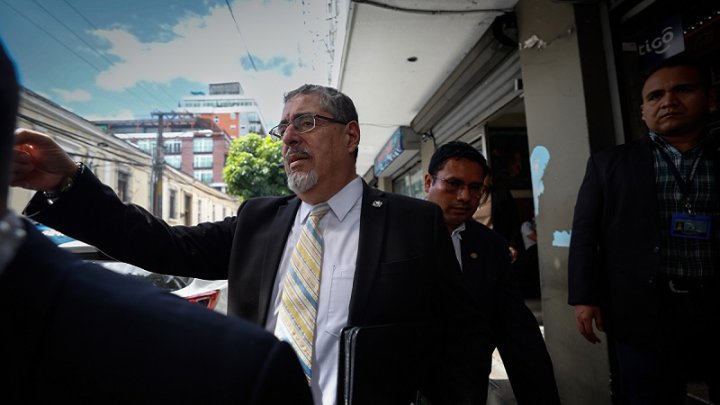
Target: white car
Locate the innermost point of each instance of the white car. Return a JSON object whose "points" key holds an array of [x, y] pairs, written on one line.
{"points": [[211, 294]]}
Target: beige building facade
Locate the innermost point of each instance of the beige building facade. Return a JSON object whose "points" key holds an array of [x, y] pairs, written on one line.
{"points": [[123, 167]]}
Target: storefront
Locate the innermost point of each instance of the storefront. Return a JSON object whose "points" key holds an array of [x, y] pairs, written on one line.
{"points": [[398, 164], [479, 103], [647, 32]]}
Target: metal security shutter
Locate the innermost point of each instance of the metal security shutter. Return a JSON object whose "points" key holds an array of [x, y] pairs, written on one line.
{"points": [[496, 90]]}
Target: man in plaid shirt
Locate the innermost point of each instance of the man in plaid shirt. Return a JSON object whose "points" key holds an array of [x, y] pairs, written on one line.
{"points": [[645, 248]]}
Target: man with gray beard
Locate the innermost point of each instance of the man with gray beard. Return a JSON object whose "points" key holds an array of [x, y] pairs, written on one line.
{"points": [[373, 258]]}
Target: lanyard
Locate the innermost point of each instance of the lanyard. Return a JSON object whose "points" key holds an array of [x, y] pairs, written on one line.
{"points": [[683, 184]]}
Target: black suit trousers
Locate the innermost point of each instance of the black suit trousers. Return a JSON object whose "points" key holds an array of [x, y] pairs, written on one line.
{"points": [[684, 348]]}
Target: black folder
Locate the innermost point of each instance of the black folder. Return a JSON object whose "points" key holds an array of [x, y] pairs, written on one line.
{"points": [[387, 364]]}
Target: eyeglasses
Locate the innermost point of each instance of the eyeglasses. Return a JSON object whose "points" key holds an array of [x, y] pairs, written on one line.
{"points": [[476, 190], [302, 123]]}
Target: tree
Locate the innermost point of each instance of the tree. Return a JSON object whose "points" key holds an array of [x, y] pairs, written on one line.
{"points": [[254, 167]]}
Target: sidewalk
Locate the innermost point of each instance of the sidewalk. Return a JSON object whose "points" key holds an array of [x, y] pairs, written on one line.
{"points": [[499, 389]]}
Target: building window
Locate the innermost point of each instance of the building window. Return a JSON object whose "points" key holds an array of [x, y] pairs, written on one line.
{"points": [[253, 117], [202, 161], [411, 183], [216, 119], [233, 116], [173, 146], [173, 203], [199, 219], [233, 126], [147, 145], [174, 161], [122, 186], [202, 145], [205, 176]]}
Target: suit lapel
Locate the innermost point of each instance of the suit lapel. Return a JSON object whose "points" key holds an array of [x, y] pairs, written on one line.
{"points": [[283, 222], [644, 168], [373, 216], [473, 257]]}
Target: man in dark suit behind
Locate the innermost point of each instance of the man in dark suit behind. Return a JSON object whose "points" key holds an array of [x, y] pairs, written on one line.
{"points": [[635, 269], [73, 331], [386, 258], [455, 182]]}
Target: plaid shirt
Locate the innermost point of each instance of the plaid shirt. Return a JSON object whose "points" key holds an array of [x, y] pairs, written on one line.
{"points": [[683, 257]]}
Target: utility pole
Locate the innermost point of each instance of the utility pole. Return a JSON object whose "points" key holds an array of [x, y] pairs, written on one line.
{"points": [[159, 161]]}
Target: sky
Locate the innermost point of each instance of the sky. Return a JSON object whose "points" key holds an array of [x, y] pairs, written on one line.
{"points": [[124, 59]]}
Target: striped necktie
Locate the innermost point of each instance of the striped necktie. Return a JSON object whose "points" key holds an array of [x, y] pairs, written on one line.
{"points": [[301, 289]]}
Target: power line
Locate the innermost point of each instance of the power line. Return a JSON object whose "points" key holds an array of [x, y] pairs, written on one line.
{"points": [[78, 138], [90, 23], [237, 27], [82, 155], [108, 151], [94, 49], [428, 11], [50, 35], [31, 21], [79, 56], [73, 32]]}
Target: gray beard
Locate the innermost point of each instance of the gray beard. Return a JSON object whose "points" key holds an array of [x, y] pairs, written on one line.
{"points": [[300, 182]]}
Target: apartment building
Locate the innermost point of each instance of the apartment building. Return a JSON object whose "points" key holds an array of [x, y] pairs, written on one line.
{"points": [[228, 107], [195, 145]]}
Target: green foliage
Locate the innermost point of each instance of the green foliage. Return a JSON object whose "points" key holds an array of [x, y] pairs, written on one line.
{"points": [[254, 167]]}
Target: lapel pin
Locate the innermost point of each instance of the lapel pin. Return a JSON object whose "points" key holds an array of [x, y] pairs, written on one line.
{"points": [[473, 255], [377, 203]]}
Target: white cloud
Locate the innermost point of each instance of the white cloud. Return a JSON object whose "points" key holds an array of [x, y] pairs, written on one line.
{"points": [[208, 49], [72, 95]]}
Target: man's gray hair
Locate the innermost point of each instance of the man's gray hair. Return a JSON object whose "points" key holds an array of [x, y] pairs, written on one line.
{"points": [[336, 103]]}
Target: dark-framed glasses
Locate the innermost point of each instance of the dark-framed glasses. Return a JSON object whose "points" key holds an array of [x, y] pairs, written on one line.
{"points": [[451, 185], [302, 123]]}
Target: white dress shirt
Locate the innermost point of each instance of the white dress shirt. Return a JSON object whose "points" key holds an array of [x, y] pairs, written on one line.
{"points": [[341, 230], [456, 238], [526, 229]]}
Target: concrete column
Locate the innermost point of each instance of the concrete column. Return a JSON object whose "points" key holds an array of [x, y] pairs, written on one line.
{"points": [[427, 148], [385, 184], [557, 102]]}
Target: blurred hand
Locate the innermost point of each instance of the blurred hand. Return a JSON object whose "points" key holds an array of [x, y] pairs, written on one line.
{"points": [[584, 316], [513, 254], [39, 162]]}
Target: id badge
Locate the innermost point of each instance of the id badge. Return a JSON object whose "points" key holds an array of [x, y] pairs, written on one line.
{"points": [[690, 226]]}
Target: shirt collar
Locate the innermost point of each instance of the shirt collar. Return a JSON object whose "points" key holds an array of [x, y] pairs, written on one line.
{"points": [[341, 203], [12, 234], [661, 142], [456, 231]]}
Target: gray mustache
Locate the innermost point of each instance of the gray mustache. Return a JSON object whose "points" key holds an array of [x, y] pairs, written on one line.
{"points": [[297, 151]]}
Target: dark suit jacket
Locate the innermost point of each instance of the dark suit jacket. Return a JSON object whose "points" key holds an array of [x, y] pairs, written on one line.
{"points": [[489, 278], [615, 245], [73, 331], [406, 270]]}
